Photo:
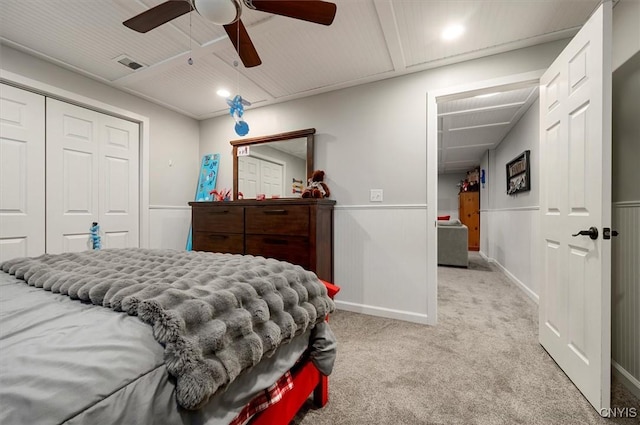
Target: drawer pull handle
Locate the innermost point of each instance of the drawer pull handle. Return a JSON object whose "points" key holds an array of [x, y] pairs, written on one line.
{"points": [[273, 241], [218, 237], [219, 212], [275, 212]]}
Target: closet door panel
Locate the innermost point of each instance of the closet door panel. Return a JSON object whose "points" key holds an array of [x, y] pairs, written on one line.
{"points": [[92, 175], [248, 176], [119, 187], [72, 176], [22, 194]]}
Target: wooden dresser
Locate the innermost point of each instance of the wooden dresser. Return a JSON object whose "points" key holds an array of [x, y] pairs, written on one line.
{"points": [[299, 231], [469, 214]]}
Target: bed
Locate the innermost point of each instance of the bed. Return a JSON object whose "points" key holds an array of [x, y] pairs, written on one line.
{"points": [[160, 336]]}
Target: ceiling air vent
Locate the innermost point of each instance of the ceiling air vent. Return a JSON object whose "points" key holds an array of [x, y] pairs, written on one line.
{"points": [[129, 63]]}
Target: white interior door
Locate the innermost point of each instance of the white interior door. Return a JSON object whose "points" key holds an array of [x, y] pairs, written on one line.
{"points": [[72, 176], [118, 184], [575, 194], [248, 177], [22, 142], [271, 178], [92, 175]]}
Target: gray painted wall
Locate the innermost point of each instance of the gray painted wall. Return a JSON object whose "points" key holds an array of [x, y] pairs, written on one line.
{"points": [[372, 135], [523, 136], [509, 223], [626, 31], [626, 131], [448, 193], [625, 282]]}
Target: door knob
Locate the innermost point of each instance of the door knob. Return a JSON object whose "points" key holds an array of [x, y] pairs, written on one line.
{"points": [[592, 233]]}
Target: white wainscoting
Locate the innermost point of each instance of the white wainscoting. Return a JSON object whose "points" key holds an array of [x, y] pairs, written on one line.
{"points": [[507, 239], [169, 226], [625, 294], [380, 260]]}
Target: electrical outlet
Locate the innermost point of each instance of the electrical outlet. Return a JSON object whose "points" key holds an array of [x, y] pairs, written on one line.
{"points": [[375, 195]]}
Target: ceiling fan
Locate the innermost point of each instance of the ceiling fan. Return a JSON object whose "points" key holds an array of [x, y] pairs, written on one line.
{"points": [[227, 13]]}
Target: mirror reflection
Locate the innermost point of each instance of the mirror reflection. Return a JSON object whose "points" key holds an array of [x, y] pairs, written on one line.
{"points": [[275, 166], [276, 169]]}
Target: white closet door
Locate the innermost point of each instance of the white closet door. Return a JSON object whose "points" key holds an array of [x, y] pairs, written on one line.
{"points": [[22, 219], [118, 185], [271, 180], [92, 175], [248, 177]]}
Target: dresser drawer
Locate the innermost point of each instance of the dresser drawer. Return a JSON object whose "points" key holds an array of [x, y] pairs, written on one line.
{"points": [[278, 220], [294, 249], [223, 219], [218, 242]]}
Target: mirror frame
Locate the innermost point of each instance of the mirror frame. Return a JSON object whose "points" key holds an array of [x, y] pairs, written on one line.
{"points": [[308, 133]]}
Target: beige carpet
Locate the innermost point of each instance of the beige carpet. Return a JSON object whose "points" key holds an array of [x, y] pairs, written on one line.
{"points": [[481, 364]]}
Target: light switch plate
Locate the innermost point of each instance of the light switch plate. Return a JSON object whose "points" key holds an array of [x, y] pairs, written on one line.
{"points": [[375, 195]]}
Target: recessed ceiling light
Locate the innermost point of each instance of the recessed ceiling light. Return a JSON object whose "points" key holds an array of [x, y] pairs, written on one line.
{"points": [[452, 32], [223, 93]]}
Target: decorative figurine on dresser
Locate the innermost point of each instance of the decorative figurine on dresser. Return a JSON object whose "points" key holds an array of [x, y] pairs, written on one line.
{"points": [[280, 225]]}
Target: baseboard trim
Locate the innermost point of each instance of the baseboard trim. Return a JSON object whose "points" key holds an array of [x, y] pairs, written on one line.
{"points": [[512, 278], [626, 378], [385, 312]]}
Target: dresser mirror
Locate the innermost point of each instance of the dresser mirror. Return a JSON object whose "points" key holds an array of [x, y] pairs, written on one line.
{"points": [[275, 166]]}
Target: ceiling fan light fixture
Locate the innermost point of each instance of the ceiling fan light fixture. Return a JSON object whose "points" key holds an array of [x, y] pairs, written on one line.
{"points": [[220, 12]]}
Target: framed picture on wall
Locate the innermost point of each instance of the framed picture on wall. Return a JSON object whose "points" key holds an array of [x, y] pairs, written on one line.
{"points": [[519, 174]]}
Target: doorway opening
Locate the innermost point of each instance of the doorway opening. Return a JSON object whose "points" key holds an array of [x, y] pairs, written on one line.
{"points": [[472, 132], [436, 170]]}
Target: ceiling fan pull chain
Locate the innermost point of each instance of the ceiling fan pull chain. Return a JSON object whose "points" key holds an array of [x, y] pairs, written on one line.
{"points": [[235, 62], [190, 60]]}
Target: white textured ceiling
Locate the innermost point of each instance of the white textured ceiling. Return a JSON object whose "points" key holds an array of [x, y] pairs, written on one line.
{"points": [[369, 40], [467, 128]]}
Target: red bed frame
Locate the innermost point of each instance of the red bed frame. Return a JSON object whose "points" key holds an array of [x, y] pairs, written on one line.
{"points": [[306, 379]]}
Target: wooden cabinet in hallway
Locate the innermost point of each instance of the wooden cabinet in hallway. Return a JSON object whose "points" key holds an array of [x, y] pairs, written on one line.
{"points": [[469, 213]]}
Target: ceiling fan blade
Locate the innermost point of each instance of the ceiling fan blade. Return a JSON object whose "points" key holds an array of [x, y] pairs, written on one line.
{"points": [[317, 11], [247, 50], [158, 15]]}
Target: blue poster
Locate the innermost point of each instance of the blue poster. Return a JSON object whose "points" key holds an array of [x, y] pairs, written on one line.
{"points": [[207, 177], [206, 183]]}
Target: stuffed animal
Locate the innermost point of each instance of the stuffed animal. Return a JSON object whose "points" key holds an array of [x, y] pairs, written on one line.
{"points": [[317, 187]]}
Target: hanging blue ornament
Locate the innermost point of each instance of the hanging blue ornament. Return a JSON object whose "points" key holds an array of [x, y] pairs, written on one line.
{"points": [[242, 128], [236, 110]]}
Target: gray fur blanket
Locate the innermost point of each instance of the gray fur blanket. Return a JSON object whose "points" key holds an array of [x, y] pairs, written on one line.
{"points": [[215, 314]]}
